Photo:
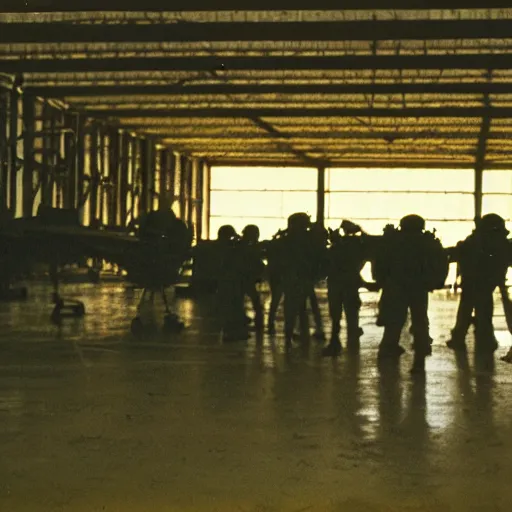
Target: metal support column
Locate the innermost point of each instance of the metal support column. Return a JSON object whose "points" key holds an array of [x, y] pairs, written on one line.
{"points": [[94, 177], [80, 159], [59, 175], [114, 151], [124, 156], [45, 144], [4, 146], [166, 179], [103, 189], [199, 203], [206, 199], [320, 196], [151, 174], [186, 176], [480, 159], [144, 179], [70, 158], [29, 110], [13, 149]]}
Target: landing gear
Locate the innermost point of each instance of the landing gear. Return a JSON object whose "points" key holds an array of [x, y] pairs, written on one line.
{"points": [[171, 324]]}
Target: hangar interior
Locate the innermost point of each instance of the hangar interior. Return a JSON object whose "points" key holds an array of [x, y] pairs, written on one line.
{"points": [[366, 110]]}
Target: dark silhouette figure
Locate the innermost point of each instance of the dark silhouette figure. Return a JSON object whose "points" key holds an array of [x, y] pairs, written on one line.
{"points": [[299, 265], [483, 259], [347, 256], [230, 289], [272, 252], [320, 239], [409, 264], [252, 254], [278, 255]]}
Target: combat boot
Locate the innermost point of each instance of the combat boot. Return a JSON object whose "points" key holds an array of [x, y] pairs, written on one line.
{"points": [[334, 348], [418, 365], [457, 342]]}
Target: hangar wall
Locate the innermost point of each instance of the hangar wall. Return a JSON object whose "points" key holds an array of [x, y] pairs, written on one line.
{"points": [[52, 155]]}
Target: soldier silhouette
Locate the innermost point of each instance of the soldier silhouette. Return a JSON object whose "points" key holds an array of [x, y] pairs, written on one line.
{"points": [[410, 263], [483, 259], [299, 263], [347, 256], [231, 285], [253, 261]]}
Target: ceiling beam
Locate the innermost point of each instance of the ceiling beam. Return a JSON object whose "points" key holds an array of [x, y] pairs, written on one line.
{"points": [[220, 65], [220, 5], [59, 91], [257, 31], [288, 146], [392, 163], [304, 136], [501, 113]]}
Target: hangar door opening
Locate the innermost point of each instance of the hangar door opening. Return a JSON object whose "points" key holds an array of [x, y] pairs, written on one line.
{"points": [[372, 197], [264, 196]]}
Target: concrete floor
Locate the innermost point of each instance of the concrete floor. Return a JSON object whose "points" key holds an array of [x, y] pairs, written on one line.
{"points": [[92, 420]]}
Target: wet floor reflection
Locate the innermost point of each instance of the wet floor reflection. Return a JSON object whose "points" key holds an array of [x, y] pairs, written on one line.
{"points": [[183, 420]]}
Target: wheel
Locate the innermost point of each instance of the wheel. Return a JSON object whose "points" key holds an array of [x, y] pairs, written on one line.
{"points": [[172, 324], [137, 327]]}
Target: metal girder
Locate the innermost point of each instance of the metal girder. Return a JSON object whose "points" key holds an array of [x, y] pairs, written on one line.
{"points": [[257, 31], [56, 91], [226, 5], [320, 196], [391, 163], [226, 64], [456, 112], [480, 159], [276, 134], [170, 136]]}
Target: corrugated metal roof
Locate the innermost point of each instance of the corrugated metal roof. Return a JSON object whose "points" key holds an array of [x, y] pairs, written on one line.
{"points": [[345, 100]]}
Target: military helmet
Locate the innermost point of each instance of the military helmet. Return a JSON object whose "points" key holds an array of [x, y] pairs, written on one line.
{"points": [[299, 220], [412, 223], [492, 222], [226, 232], [251, 231]]}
